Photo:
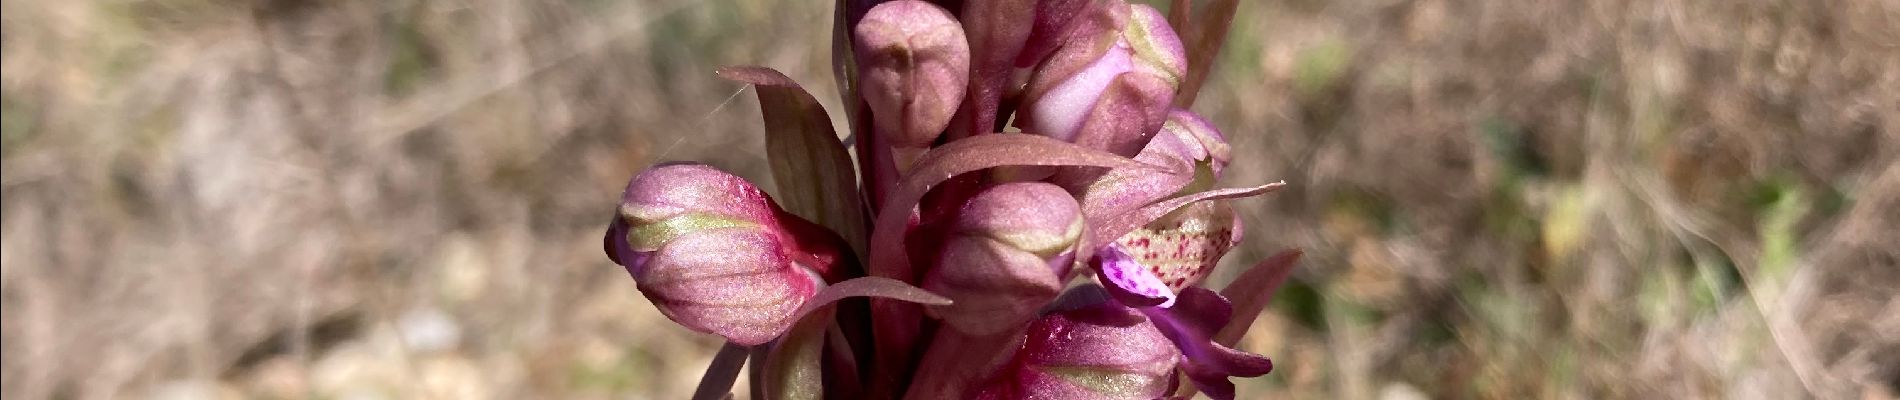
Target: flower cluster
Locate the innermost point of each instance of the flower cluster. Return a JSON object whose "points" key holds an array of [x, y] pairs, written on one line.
{"points": [[1027, 210]]}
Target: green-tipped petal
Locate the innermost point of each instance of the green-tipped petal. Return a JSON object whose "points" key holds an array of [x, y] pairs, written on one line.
{"points": [[1002, 263], [717, 255]]}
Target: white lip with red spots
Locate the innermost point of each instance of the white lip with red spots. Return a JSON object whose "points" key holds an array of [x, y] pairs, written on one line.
{"points": [[1182, 249]]}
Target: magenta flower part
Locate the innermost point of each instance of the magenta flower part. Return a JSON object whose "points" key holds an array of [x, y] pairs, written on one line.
{"points": [[1098, 351], [715, 254], [1060, 110], [1191, 325], [965, 236], [732, 282], [1109, 81], [1130, 281]]}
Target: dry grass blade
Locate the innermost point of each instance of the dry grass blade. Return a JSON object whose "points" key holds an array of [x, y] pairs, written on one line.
{"points": [[401, 119], [1692, 230]]}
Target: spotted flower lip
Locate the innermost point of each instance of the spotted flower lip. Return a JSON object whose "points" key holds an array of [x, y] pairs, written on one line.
{"points": [[1182, 248]]}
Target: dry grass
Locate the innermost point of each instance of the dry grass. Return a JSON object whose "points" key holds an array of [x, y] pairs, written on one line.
{"points": [[402, 199]]}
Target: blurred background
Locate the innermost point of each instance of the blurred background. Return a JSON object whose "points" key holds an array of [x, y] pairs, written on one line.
{"points": [[403, 199]]}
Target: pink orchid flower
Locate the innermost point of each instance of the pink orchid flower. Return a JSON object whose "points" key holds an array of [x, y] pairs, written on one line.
{"points": [[1064, 261]]}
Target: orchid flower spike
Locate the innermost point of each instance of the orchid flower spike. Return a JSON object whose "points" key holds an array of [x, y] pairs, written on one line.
{"points": [[967, 238]]}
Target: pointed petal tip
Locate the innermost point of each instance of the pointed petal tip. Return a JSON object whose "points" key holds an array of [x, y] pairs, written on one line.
{"points": [[615, 240], [752, 74]]}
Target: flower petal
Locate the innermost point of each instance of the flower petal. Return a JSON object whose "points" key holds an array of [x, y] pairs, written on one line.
{"points": [[1127, 114], [1251, 291], [732, 282], [913, 66], [1059, 111], [615, 242], [1103, 233], [1191, 324], [1183, 247], [1186, 143], [1130, 282]]}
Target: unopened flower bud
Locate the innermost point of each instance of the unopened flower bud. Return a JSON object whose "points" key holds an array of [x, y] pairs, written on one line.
{"points": [[915, 65], [1109, 87], [1010, 244], [1054, 20], [1158, 50], [1195, 141], [1100, 351], [1038, 218], [717, 255]]}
